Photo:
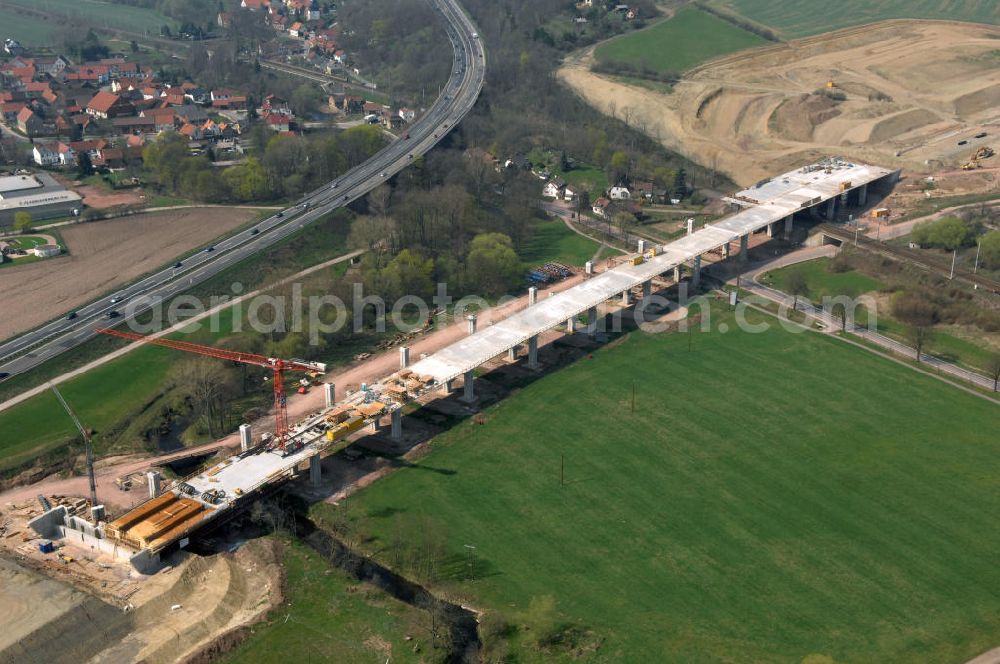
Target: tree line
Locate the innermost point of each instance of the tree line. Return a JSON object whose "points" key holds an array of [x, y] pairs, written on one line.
{"points": [[287, 166]]}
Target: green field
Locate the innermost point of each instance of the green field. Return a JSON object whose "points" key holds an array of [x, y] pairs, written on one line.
{"points": [[100, 397], [801, 18], [77, 13], [678, 44], [821, 281], [554, 241], [774, 495], [587, 178], [328, 617]]}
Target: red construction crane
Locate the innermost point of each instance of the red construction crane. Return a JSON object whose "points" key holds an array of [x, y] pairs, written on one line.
{"points": [[277, 365]]}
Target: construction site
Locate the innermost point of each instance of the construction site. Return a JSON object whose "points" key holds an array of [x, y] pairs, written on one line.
{"points": [[143, 538]]}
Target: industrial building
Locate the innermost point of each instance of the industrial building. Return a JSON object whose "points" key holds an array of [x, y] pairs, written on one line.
{"points": [[167, 521], [39, 195]]}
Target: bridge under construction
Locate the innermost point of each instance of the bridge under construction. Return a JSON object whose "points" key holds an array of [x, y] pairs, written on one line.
{"points": [[169, 518]]}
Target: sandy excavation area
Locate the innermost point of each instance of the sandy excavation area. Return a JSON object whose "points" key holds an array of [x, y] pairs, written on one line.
{"points": [[913, 90], [103, 255]]}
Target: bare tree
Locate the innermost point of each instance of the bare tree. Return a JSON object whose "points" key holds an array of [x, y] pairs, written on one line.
{"points": [[993, 366], [919, 315], [797, 286]]}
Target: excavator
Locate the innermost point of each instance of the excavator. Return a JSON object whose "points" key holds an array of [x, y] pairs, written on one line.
{"points": [[982, 152]]}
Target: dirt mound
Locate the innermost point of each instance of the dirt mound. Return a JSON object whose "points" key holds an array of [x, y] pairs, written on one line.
{"points": [[981, 100], [900, 124], [796, 119], [897, 93]]}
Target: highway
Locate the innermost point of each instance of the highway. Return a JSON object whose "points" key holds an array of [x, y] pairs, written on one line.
{"points": [[22, 353]]}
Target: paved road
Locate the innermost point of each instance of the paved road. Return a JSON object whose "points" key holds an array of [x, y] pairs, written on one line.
{"points": [[457, 98]]}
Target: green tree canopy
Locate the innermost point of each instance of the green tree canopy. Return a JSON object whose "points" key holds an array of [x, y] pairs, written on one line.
{"points": [[492, 265], [949, 233], [22, 221], [989, 250]]}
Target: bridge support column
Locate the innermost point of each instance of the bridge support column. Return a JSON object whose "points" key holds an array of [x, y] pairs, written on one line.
{"points": [[532, 296], [770, 230], [315, 470], [592, 320], [246, 437], [647, 289], [725, 250], [626, 298], [588, 268], [330, 392], [153, 481], [690, 225], [642, 246], [696, 276], [533, 352], [831, 209], [744, 248], [469, 389], [472, 323], [404, 357], [677, 274], [512, 353], [570, 325], [788, 226], [862, 195], [397, 424], [446, 387]]}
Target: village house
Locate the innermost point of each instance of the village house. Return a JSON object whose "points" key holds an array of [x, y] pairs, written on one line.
{"points": [[620, 192], [29, 123], [554, 188], [602, 208], [106, 105]]}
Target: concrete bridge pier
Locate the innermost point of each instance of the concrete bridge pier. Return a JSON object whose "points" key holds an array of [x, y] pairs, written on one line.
{"points": [[469, 389], [725, 250], [626, 298], [472, 323], [397, 424], [677, 275], [770, 230], [404, 357], [570, 325], [647, 289], [446, 387], [315, 470], [330, 392], [863, 195], [246, 437], [788, 226], [592, 320], [533, 352], [831, 209], [744, 248], [532, 296], [696, 275], [512, 353]]}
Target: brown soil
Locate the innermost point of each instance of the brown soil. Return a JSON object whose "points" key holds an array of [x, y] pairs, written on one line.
{"points": [[102, 256], [913, 90], [99, 199]]}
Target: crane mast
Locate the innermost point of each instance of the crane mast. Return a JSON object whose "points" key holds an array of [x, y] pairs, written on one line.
{"points": [[86, 441]]}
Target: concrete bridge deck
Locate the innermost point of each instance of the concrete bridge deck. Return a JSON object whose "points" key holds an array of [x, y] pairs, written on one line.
{"points": [[767, 203]]}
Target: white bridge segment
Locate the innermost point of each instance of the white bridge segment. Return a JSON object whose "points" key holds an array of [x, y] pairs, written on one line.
{"points": [[779, 198]]}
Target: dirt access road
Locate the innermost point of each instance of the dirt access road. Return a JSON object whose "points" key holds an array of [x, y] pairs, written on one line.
{"points": [[103, 255], [906, 93], [299, 406]]}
